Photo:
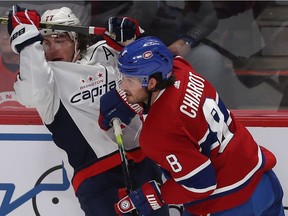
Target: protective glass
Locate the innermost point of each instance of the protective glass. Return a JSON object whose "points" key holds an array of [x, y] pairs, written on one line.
{"points": [[3, 29], [56, 41]]}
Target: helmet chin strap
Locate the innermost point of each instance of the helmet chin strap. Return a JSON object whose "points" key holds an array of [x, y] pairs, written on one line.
{"points": [[149, 101], [148, 104]]}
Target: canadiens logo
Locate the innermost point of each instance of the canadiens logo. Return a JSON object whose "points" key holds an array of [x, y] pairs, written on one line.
{"points": [[125, 205], [147, 55]]}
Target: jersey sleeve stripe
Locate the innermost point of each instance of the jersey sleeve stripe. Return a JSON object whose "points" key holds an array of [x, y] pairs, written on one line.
{"points": [[243, 180], [194, 172]]}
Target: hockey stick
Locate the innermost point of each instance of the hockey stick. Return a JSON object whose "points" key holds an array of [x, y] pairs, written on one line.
{"points": [[87, 30], [124, 161]]}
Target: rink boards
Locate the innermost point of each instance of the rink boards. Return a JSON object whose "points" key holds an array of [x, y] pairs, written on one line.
{"points": [[34, 181]]}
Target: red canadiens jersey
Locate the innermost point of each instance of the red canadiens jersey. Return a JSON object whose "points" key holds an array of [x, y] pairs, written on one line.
{"points": [[211, 161]]}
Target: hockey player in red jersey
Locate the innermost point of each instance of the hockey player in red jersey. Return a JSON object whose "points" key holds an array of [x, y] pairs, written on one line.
{"points": [[212, 163], [64, 82]]}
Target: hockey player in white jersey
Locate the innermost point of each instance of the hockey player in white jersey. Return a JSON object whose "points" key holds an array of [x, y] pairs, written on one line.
{"points": [[64, 82]]}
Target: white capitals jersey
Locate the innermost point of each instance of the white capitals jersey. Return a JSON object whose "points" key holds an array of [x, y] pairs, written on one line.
{"points": [[66, 96]]}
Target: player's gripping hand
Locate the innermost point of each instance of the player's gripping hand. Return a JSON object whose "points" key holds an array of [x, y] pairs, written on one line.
{"points": [[124, 28], [144, 200], [23, 25], [113, 104]]}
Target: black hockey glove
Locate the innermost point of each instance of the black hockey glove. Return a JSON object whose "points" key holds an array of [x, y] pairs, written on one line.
{"points": [[145, 199], [124, 28], [23, 25]]}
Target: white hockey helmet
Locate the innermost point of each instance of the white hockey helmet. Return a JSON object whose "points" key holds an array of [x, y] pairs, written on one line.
{"points": [[61, 16]]}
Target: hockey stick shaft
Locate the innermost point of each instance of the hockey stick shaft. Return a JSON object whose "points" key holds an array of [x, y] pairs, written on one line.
{"points": [[87, 30], [124, 161]]}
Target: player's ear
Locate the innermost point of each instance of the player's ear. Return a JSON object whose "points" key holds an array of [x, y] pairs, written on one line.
{"points": [[152, 83]]}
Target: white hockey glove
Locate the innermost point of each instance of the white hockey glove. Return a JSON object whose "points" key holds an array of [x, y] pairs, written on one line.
{"points": [[23, 25]]}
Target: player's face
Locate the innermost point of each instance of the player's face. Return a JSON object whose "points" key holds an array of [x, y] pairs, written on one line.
{"points": [[59, 47], [134, 90]]}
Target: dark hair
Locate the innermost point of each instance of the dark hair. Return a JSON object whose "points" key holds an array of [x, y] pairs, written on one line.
{"points": [[83, 42], [162, 84]]}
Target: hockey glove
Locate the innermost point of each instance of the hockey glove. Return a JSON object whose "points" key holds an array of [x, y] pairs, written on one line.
{"points": [[23, 25], [144, 200], [113, 104], [124, 28]]}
